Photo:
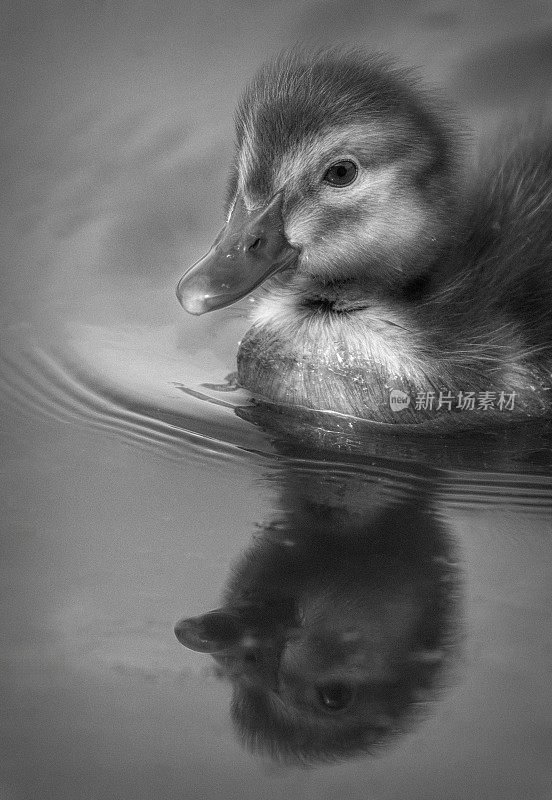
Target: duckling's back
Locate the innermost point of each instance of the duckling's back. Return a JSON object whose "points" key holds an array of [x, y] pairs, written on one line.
{"points": [[508, 246]]}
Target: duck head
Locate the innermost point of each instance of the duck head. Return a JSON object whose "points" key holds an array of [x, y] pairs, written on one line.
{"points": [[335, 625], [341, 173]]}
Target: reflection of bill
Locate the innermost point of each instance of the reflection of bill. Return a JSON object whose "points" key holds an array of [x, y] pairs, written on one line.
{"points": [[335, 625]]}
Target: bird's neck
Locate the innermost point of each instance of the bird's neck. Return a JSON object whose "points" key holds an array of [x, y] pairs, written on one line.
{"points": [[353, 294]]}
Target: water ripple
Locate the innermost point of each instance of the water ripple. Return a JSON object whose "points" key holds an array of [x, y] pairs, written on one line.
{"points": [[181, 421], [41, 383]]}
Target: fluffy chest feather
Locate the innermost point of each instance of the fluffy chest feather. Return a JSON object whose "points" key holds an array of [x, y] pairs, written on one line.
{"points": [[348, 354], [317, 354]]}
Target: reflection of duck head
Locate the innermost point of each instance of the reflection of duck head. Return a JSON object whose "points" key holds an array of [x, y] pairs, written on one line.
{"points": [[331, 630], [389, 274]]}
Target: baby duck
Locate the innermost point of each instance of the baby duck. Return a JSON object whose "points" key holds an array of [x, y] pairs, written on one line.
{"points": [[383, 276]]}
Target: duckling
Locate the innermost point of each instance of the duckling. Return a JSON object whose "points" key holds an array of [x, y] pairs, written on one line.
{"points": [[383, 271]]}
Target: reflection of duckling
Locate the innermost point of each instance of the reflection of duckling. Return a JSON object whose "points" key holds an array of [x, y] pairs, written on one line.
{"points": [[390, 275], [331, 630]]}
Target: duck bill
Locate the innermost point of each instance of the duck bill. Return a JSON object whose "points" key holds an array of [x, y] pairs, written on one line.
{"points": [[249, 249], [236, 643], [216, 632]]}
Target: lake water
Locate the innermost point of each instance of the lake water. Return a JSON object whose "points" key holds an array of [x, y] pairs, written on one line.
{"points": [[137, 492]]}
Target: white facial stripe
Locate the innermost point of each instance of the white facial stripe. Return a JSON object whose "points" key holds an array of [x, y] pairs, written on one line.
{"points": [[231, 209], [372, 191], [340, 143], [246, 158], [308, 157], [371, 186]]}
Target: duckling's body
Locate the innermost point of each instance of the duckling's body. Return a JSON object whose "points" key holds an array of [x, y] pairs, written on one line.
{"points": [[391, 275]]}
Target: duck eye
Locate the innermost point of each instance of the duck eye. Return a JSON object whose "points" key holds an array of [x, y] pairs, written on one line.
{"points": [[335, 696], [342, 173]]}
